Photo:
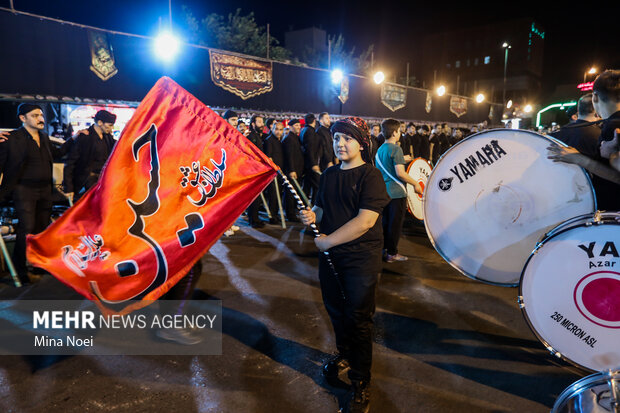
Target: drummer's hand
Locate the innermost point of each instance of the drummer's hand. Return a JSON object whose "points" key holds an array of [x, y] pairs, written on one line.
{"points": [[4, 136], [322, 242], [609, 147], [568, 154], [293, 175], [408, 158], [307, 216], [418, 189]]}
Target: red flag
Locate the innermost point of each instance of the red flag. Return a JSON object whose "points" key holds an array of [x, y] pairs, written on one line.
{"points": [[177, 178]]}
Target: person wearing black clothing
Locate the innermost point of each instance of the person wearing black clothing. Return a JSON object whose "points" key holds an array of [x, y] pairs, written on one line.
{"points": [[327, 157], [311, 145], [606, 101], [89, 154], [422, 145], [407, 141], [26, 157], [606, 179], [273, 149], [348, 208], [293, 165], [581, 134], [256, 136]]}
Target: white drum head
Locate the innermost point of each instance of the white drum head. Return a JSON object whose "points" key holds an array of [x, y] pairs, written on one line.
{"points": [[492, 196], [570, 294], [419, 170]]}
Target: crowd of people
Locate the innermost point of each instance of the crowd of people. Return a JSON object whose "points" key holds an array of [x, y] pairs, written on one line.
{"points": [[353, 174]]}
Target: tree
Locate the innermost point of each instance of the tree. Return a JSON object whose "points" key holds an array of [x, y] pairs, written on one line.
{"points": [[340, 57], [235, 33]]}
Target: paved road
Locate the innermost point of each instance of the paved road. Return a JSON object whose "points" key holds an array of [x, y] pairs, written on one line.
{"points": [[444, 343]]}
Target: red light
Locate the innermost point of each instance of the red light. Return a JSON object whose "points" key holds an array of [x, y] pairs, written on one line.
{"points": [[584, 87]]}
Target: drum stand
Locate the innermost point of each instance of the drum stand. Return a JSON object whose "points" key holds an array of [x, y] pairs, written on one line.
{"points": [[9, 262], [615, 392]]}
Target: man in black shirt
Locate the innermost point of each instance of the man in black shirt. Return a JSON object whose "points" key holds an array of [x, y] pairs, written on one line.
{"points": [[311, 145], [582, 134], [407, 141], [606, 179], [273, 149], [348, 207], [327, 157], [293, 165], [26, 157], [87, 157], [256, 136], [422, 146]]}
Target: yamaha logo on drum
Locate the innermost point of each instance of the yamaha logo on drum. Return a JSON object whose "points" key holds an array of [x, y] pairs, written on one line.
{"points": [[445, 184], [485, 156]]}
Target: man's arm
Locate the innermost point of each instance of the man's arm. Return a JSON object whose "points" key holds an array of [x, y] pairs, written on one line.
{"points": [[572, 155], [404, 176], [350, 231]]}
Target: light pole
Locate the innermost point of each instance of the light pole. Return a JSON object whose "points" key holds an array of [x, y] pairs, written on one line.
{"points": [[506, 46], [592, 71]]}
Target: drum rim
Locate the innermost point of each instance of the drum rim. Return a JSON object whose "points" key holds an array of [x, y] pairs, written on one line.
{"points": [[522, 305], [580, 384], [432, 239], [408, 168]]}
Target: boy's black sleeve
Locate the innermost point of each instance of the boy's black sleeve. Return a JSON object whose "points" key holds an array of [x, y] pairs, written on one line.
{"points": [[319, 195], [373, 194]]}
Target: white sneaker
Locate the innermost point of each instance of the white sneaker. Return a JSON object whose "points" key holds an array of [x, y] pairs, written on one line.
{"points": [[235, 228], [229, 232]]}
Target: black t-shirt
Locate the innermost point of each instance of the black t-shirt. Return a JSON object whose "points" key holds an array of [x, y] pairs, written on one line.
{"points": [[101, 152], [38, 169], [342, 193]]}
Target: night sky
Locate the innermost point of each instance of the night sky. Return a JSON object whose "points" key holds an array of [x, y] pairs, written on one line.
{"points": [[577, 37]]}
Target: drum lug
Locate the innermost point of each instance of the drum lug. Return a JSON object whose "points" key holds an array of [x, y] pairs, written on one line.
{"points": [[553, 352], [520, 301]]}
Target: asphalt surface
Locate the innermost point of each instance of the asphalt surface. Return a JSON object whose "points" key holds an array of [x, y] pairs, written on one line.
{"points": [[443, 343]]}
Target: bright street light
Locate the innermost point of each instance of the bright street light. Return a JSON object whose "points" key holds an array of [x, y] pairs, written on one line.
{"points": [[509, 104], [379, 77], [441, 90], [166, 46], [592, 70], [480, 98], [528, 108], [337, 76]]}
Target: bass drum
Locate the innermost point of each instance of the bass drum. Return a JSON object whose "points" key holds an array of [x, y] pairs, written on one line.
{"points": [[492, 196], [570, 291], [419, 169], [598, 393]]}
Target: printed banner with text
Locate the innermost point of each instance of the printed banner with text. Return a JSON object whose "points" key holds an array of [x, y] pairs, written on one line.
{"points": [[178, 177]]}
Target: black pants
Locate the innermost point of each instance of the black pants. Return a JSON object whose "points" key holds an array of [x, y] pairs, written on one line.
{"points": [[311, 184], [272, 198], [352, 317], [33, 205], [183, 290], [253, 211], [393, 218]]}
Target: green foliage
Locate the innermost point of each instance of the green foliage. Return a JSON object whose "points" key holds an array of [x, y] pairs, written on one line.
{"points": [[235, 33], [240, 33]]}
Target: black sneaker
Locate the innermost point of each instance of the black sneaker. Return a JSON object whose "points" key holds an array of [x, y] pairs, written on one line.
{"points": [[334, 367], [359, 398]]}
